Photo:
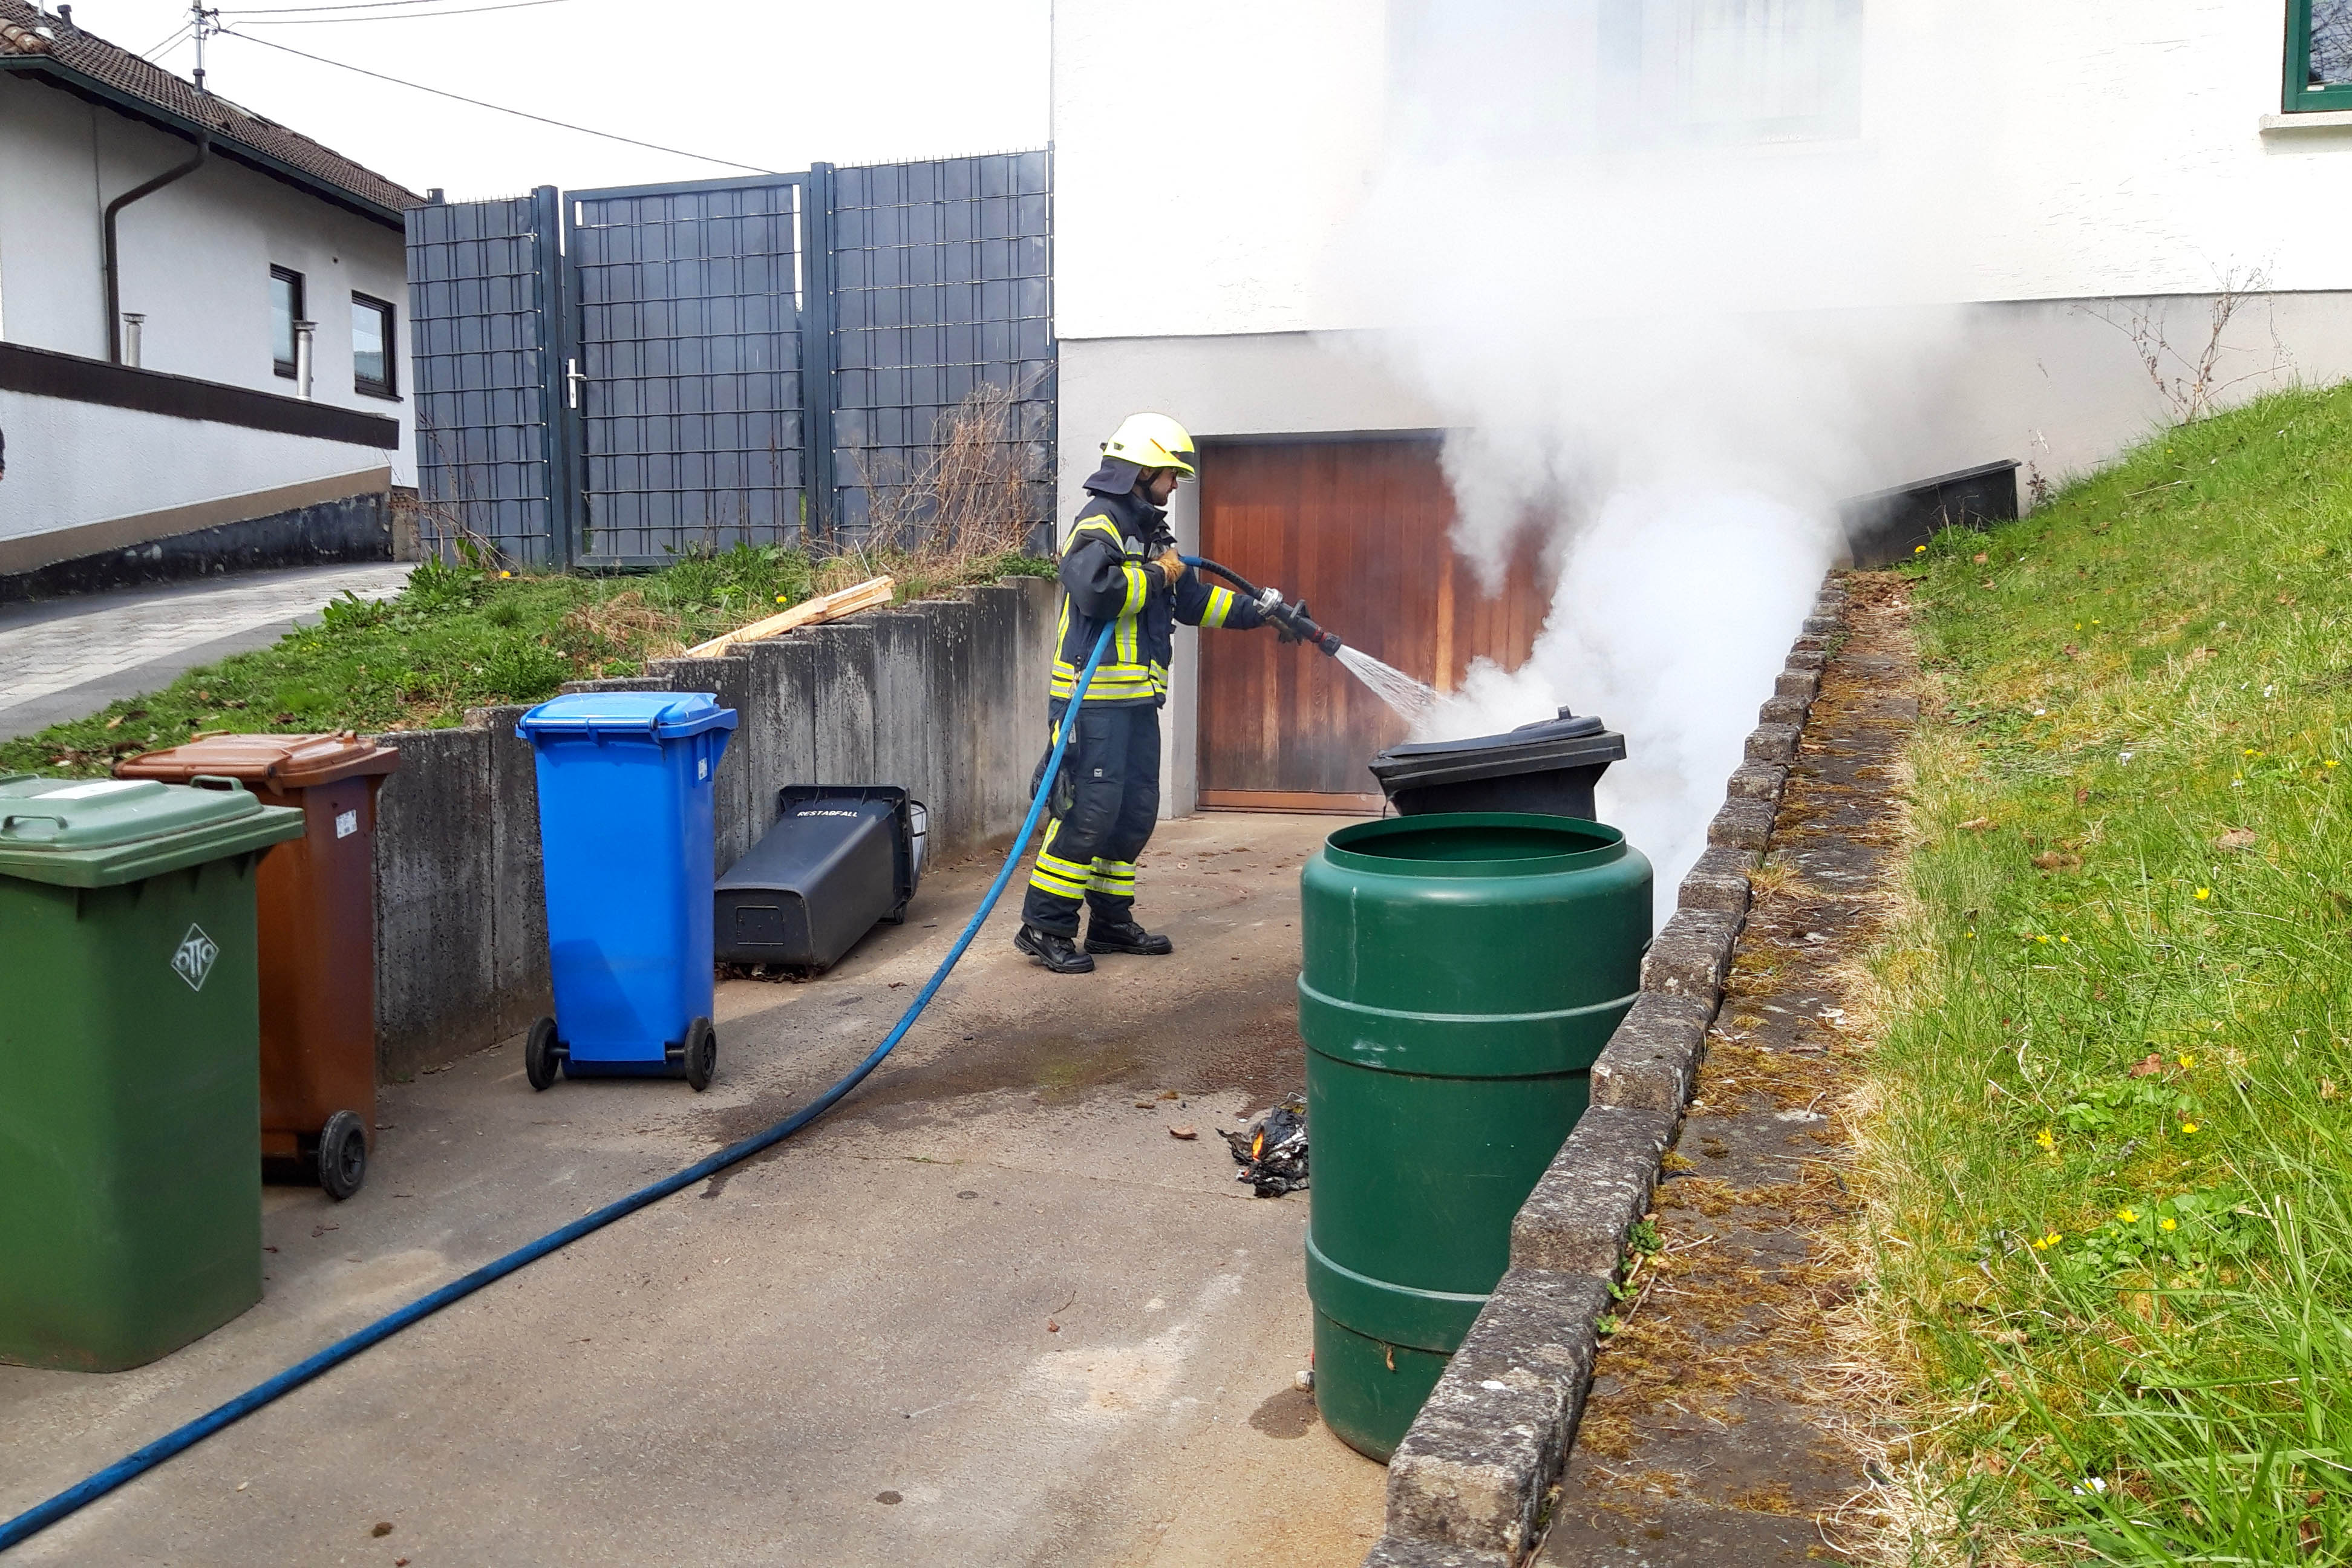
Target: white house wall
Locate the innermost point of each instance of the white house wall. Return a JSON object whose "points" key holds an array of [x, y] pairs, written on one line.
{"points": [[2113, 147], [195, 260], [149, 463]]}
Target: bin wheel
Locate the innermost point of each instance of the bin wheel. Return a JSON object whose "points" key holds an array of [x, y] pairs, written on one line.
{"points": [[343, 1155], [701, 1054], [540, 1055]]}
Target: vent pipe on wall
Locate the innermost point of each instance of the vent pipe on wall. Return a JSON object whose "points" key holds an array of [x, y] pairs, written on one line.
{"points": [[305, 335], [131, 323], [113, 251]]}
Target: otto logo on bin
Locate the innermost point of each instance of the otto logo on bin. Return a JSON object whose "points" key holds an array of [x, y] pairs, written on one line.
{"points": [[193, 959]]}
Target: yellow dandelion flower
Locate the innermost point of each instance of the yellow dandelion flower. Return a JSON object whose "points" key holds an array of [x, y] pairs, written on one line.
{"points": [[2065, 939], [2129, 1216], [2185, 1059], [2188, 1127], [2046, 1139], [2203, 894], [2329, 763], [2168, 1224], [2041, 939], [1918, 550]]}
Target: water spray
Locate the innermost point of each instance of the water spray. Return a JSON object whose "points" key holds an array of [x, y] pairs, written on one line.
{"points": [[1408, 698]]}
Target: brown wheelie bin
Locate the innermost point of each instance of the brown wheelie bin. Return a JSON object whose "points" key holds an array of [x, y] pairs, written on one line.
{"points": [[316, 907]]}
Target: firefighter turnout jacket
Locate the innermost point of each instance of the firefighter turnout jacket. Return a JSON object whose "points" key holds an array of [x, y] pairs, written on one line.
{"points": [[1107, 575]]}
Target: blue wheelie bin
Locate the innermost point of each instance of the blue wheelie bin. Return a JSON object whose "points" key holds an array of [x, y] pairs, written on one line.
{"points": [[625, 832]]}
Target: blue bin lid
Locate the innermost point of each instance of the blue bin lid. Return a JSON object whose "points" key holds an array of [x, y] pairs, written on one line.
{"points": [[668, 715]]}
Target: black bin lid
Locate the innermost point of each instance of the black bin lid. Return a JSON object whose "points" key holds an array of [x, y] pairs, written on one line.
{"points": [[1548, 745]]}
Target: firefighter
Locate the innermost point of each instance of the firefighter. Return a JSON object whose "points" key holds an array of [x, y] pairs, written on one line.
{"points": [[1120, 565]]}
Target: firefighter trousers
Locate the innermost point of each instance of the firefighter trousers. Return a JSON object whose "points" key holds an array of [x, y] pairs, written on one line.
{"points": [[1104, 809]]}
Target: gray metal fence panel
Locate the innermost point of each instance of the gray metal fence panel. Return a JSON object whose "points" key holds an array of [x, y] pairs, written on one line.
{"points": [[480, 276], [687, 320], [943, 283]]}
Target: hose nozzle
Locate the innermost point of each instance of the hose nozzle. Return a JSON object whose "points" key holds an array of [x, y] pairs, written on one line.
{"points": [[1296, 624]]}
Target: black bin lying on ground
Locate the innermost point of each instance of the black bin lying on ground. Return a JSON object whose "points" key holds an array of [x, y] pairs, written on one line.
{"points": [[840, 858], [1886, 527], [1548, 767]]}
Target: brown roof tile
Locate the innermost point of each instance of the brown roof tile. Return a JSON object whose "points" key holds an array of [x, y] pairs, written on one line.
{"points": [[25, 29]]}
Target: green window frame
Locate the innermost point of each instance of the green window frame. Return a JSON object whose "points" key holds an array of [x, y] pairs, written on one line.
{"points": [[2331, 20]]}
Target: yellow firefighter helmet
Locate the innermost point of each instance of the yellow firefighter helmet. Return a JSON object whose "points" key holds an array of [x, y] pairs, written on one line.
{"points": [[1153, 441]]}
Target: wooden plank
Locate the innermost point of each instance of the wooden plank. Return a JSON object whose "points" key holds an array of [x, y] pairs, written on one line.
{"points": [[866, 595]]}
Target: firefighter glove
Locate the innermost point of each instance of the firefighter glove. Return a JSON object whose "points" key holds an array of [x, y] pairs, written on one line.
{"points": [[1171, 566]]}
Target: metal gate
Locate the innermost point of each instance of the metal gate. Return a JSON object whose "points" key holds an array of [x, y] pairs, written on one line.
{"points": [[695, 365], [485, 290], [692, 409]]}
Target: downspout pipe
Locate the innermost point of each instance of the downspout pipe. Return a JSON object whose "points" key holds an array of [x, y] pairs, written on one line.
{"points": [[114, 254]]}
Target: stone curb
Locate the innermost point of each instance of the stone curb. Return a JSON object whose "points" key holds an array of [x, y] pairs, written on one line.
{"points": [[1467, 1486], [1576, 1219], [1650, 1062], [1742, 824], [1503, 1413], [1690, 955], [1718, 878], [1758, 781]]}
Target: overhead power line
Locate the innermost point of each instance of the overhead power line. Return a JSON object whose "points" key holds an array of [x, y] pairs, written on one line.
{"points": [[494, 108], [179, 33], [261, 19], [348, 6]]}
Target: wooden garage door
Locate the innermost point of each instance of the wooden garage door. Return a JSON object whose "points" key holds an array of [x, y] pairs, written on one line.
{"points": [[1359, 526]]}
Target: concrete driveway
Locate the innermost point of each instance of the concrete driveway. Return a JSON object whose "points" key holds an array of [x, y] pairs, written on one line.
{"points": [[65, 658], [990, 1312]]}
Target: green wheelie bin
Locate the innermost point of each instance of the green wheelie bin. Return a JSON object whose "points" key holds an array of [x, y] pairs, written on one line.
{"points": [[130, 1066], [1462, 971]]}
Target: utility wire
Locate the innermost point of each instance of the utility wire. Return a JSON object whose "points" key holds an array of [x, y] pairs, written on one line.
{"points": [[393, 15], [181, 32], [495, 108], [355, 5]]}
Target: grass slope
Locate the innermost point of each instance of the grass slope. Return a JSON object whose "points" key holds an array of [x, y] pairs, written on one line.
{"points": [[460, 638], [2112, 1159]]}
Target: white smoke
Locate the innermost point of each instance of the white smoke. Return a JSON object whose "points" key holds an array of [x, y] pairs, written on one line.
{"points": [[1641, 257]]}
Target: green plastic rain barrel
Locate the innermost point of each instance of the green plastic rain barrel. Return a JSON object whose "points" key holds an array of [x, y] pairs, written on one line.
{"points": [[130, 1066], [1461, 970]]}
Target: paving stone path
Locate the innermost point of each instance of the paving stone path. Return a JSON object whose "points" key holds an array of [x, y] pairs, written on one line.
{"points": [[1713, 1434], [65, 658]]}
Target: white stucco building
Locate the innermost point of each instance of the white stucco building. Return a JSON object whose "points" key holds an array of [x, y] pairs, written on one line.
{"points": [[159, 393], [1342, 228]]}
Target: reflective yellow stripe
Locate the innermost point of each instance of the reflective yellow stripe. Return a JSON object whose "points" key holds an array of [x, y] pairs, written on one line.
{"points": [[1115, 876], [1098, 525], [1061, 887], [1220, 604], [1051, 874], [1135, 590]]}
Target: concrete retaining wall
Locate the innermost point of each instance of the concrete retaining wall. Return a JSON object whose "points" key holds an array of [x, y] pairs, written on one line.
{"points": [[1467, 1488], [946, 697]]}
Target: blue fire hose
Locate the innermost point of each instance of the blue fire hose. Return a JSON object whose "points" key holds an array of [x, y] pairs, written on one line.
{"points": [[131, 1465]]}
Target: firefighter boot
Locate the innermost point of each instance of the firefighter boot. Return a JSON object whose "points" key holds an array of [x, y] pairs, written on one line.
{"points": [[1125, 936], [1058, 954]]}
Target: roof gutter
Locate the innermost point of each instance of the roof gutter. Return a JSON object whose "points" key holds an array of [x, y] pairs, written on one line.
{"points": [[113, 251], [132, 105]]}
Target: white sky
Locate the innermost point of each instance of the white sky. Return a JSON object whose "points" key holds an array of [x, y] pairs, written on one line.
{"points": [[772, 83]]}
